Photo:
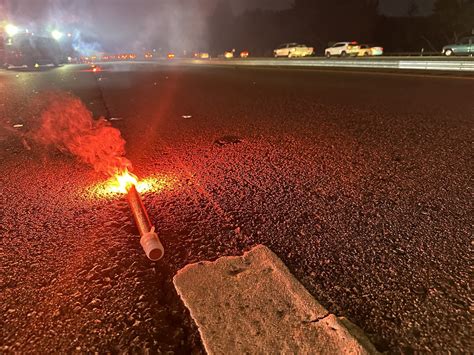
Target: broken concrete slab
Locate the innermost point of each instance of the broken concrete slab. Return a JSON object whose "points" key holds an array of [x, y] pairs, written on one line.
{"points": [[253, 304]]}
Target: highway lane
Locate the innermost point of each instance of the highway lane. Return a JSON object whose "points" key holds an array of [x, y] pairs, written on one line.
{"points": [[360, 182]]}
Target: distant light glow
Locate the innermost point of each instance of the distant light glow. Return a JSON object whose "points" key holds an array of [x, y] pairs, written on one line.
{"points": [[57, 35], [92, 69], [11, 30]]}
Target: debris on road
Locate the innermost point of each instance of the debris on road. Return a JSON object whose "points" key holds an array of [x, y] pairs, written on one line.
{"points": [[253, 304], [225, 140], [18, 125], [116, 119]]}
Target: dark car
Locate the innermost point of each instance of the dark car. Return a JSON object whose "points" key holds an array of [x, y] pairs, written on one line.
{"points": [[464, 47], [31, 51]]}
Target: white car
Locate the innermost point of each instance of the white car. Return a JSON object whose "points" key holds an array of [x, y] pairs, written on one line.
{"points": [[368, 50], [342, 49], [293, 50]]}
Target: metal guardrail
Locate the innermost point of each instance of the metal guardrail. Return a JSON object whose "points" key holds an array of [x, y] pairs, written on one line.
{"points": [[414, 54], [463, 65]]}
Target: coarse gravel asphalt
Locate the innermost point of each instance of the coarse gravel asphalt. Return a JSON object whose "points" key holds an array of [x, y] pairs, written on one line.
{"points": [[360, 182]]}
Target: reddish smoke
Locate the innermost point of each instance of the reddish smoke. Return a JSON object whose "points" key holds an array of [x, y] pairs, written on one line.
{"points": [[68, 125]]}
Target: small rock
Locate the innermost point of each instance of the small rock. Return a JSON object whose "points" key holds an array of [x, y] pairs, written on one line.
{"points": [[141, 305], [109, 271], [109, 224], [95, 302]]}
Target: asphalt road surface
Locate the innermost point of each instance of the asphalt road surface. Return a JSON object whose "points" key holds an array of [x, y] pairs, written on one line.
{"points": [[360, 182]]}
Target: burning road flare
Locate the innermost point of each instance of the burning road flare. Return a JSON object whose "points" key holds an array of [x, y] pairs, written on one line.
{"points": [[149, 240], [70, 127]]}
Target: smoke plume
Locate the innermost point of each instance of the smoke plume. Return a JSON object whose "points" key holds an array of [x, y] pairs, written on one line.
{"points": [[69, 126], [117, 26]]}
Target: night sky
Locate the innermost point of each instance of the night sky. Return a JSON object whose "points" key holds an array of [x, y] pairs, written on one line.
{"points": [[388, 7], [138, 24]]}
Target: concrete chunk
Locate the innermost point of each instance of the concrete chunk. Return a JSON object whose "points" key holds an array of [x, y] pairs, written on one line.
{"points": [[253, 304]]}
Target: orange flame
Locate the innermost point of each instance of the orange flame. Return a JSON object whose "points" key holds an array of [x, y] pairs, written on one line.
{"points": [[120, 183], [123, 182]]}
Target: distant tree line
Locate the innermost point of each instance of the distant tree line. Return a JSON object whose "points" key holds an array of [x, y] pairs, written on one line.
{"points": [[321, 22]]}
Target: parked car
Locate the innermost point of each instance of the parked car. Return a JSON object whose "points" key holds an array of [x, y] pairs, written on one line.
{"points": [[465, 46], [342, 49], [369, 50], [32, 51], [293, 50], [244, 54], [201, 55]]}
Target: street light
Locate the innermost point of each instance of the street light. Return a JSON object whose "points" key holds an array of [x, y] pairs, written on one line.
{"points": [[56, 35], [11, 30]]}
